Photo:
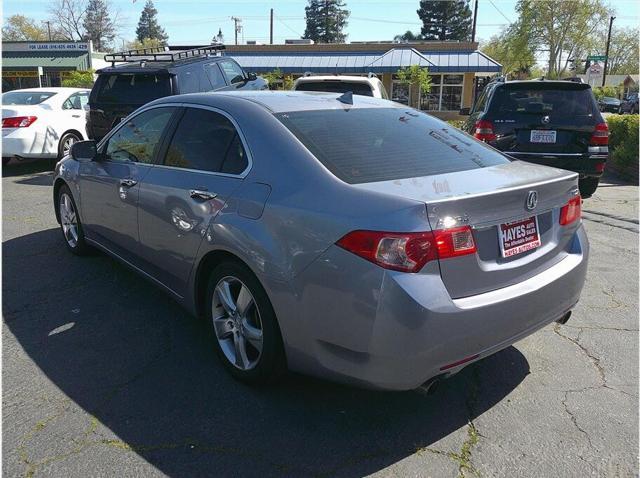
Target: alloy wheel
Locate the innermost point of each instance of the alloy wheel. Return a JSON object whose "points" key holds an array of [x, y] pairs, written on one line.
{"points": [[66, 145], [69, 220], [237, 323]]}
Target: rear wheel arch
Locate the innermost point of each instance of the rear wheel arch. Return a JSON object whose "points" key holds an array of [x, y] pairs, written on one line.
{"points": [[206, 265], [56, 192]]}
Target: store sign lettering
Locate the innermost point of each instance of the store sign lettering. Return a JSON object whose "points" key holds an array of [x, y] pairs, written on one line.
{"points": [[58, 46]]}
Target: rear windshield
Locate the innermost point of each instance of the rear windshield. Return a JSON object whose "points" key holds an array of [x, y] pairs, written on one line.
{"points": [[543, 99], [133, 88], [26, 97], [362, 145], [362, 89]]}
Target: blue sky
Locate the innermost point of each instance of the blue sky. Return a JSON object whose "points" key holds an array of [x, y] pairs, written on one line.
{"points": [[196, 21]]}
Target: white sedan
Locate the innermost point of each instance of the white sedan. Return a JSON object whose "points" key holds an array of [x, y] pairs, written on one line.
{"points": [[42, 122]]}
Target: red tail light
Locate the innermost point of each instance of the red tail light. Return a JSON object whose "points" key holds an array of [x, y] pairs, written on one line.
{"points": [[600, 136], [409, 251], [484, 130], [18, 121], [571, 211]]}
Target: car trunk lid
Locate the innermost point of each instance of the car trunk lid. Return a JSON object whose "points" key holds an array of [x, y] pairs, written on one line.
{"points": [[485, 199]]}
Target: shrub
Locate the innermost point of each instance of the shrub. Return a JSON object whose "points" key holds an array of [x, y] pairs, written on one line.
{"points": [[610, 91], [460, 124], [79, 79], [623, 144]]}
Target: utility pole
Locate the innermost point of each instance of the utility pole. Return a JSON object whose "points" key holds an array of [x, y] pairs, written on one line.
{"points": [[606, 53], [238, 26], [475, 17], [271, 28], [48, 28]]}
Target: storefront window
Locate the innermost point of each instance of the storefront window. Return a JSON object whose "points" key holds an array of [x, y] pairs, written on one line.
{"points": [[445, 94], [400, 91]]}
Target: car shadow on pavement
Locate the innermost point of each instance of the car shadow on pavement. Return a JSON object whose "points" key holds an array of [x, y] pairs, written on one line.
{"points": [[132, 358], [28, 166]]}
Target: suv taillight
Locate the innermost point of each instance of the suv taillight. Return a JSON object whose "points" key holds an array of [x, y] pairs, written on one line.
{"points": [[484, 130], [600, 136], [18, 121], [571, 211], [409, 251]]}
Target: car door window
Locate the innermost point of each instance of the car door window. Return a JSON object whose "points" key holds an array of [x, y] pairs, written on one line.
{"points": [[232, 71], [76, 101], [138, 139], [215, 76], [206, 141]]}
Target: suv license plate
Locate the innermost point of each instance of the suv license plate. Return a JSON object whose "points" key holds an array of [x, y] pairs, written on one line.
{"points": [[543, 136], [519, 236]]}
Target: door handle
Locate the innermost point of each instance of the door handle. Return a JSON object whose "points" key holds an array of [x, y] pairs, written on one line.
{"points": [[128, 182], [75, 116], [200, 194]]}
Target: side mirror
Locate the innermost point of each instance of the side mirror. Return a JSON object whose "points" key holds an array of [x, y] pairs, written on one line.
{"points": [[84, 150], [252, 76], [464, 111]]}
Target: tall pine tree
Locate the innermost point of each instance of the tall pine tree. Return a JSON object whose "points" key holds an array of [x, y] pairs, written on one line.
{"points": [[325, 21], [100, 27], [148, 26], [445, 20]]}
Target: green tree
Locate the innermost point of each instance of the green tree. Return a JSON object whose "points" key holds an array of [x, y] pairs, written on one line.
{"points": [[445, 20], [100, 27], [326, 20], [415, 75], [21, 28], [623, 51], [278, 80], [408, 36], [79, 79], [512, 49], [146, 43], [563, 30], [148, 26]]}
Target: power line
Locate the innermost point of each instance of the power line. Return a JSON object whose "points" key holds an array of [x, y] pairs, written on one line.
{"points": [[500, 12], [288, 27]]}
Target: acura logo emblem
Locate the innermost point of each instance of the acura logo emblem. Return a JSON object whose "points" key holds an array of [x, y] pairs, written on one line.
{"points": [[545, 120], [532, 200]]}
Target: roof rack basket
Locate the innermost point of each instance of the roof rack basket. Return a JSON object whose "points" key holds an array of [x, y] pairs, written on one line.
{"points": [[163, 54]]}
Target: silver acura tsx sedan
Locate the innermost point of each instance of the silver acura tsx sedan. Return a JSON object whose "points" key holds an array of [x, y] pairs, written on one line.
{"points": [[342, 236]]}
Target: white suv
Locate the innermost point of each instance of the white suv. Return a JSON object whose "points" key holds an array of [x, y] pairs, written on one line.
{"points": [[358, 85]]}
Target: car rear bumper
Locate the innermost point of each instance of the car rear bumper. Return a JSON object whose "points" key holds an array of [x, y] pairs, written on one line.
{"points": [[26, 145], [586, 165], [407, 329]]}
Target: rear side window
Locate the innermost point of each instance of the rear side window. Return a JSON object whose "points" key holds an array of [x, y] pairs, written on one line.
{"points": [[207, 141], [215, 76], [542, 99], [26, 97], [362, 145], [362, 89], [133, 88]]}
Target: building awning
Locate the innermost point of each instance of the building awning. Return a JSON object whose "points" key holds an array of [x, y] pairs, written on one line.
{"points": [[365, 62], [27, 60]]}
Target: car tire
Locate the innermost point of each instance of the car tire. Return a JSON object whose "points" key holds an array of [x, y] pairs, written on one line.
{"points": [[243, 325], [588, 186], [70, 224], [65, 143]]}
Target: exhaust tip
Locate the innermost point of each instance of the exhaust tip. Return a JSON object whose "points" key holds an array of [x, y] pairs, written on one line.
{"points": [[430, 387], [564, 319]]}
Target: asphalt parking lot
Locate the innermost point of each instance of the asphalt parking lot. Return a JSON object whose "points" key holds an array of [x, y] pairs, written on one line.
{"points": [[104, 375]]}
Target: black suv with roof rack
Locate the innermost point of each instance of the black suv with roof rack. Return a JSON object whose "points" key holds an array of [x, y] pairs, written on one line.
{"points": [[555, 123], [152, 73]]}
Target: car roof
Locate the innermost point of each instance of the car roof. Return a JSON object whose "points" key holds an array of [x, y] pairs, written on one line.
{"points": [[563, 83], [359, 79], [283, 101]]}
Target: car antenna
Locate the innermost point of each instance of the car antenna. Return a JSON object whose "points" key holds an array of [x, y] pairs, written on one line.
{"points": [[346, 98]]}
